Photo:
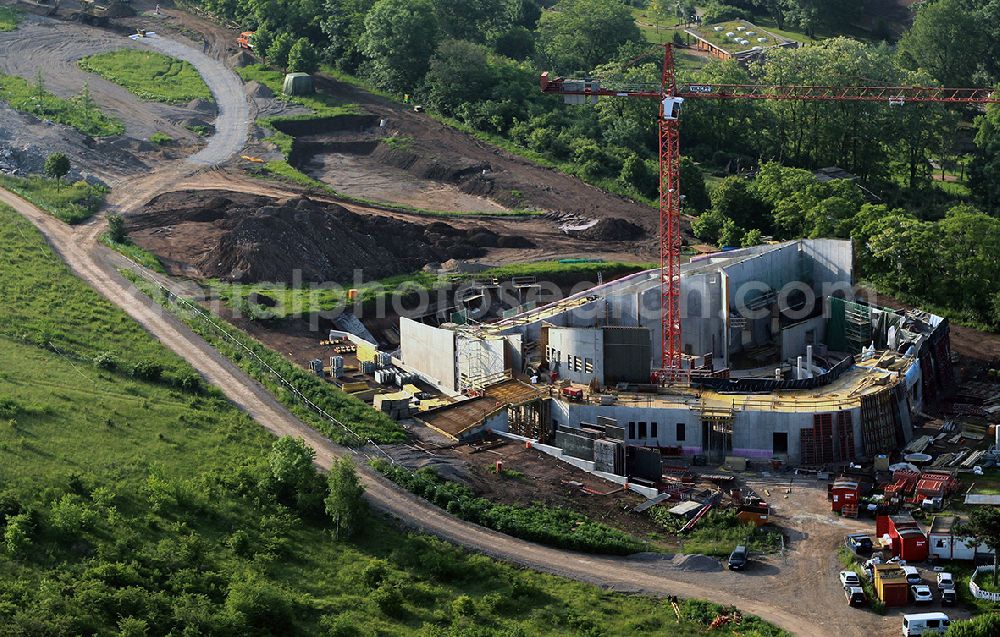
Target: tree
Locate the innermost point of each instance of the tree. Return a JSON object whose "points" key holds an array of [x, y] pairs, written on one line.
{"points": [[343, 24], [263, 38], [116, 229], [720, 12], [459, 72], [947, 40], [302, 57], [752, 238], [474, 20], [636, 173], [344, 502], [731, 234], [708, 226], [693, 187], [984, 527], [581, 34], [279, 50], [984, 171], [291, 462], [734, 199], [57, 167], [399, 39]]}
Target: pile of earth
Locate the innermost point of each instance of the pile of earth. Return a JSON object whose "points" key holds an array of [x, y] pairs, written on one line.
{"points": [[613, 229], [249, 238]]}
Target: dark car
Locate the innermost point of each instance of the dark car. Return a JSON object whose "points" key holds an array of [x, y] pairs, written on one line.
{"points": [[738, 558], [948, 597], [859, 544], [855, 595]]}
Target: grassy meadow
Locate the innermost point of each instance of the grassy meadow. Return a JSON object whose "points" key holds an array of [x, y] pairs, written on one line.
{"points": [[149, 75]]}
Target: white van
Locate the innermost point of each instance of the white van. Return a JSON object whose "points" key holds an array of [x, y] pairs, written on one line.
{"points": [[925, 624]]}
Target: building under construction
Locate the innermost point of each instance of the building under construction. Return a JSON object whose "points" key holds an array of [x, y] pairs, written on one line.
{"points": [[780, 361]]}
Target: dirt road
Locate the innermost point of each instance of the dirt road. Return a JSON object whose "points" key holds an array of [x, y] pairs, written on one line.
{"points": [[234, 118], [53, 48]]}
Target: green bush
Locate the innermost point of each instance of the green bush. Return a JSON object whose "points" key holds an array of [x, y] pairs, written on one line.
{"points": [[160, 138], [537, 523]]}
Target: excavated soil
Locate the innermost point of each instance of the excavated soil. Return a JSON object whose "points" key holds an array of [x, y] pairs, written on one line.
{"points": [[251, 238]]}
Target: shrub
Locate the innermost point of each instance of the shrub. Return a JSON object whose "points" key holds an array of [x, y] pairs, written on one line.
{"points": [[147, 370], [160, 138], [106, 360], [538, 523], [17, 534], [389, 600]]}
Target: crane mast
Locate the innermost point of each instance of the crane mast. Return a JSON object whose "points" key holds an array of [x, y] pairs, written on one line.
{"points": [[671, 96]]}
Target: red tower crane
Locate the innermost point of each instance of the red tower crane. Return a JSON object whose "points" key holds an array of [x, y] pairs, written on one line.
{"points": [[671, 96]]}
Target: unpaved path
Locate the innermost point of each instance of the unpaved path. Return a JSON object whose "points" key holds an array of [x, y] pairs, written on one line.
{"points": [[53, 48], [233, 120]]}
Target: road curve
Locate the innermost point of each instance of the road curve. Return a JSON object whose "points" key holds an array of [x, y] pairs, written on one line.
{"points": [[233, 120]]}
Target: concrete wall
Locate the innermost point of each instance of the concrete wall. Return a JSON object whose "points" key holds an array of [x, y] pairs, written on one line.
{"points": [[666, 419], [586, 344], [793, 337], [832, 261], [430, 351], [753, 431]]}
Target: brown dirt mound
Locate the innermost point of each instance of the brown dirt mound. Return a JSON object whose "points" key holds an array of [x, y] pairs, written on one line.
{"points": [[248, 238], [613, 229], [256, 89]]}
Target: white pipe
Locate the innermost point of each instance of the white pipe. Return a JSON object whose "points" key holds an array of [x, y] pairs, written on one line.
{"points": [[809, 361], [777, 373], [800, 372]]}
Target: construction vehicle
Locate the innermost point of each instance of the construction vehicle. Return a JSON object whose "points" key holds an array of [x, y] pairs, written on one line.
{"points": [[245, 41], [670, 95], [99, 15]]}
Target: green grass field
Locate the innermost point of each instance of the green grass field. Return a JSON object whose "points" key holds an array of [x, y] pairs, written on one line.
{"points": [[23, 95], [149, 75], [9, 17], [133, 507], [73, 203]]}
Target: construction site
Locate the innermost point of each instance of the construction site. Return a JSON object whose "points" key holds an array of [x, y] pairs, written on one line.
{"points": [[690, 385]]}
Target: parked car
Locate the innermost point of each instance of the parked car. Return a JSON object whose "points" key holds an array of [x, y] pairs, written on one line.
{"points": [[859, 544], [948, 597], [912, 575], [945, 580], [925, 624], [855, 596], [849, 578], [738, 558], [921, 594]]}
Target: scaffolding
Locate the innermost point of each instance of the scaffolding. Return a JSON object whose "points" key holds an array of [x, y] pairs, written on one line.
{"points": [[481, 362], [858, 326]]}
